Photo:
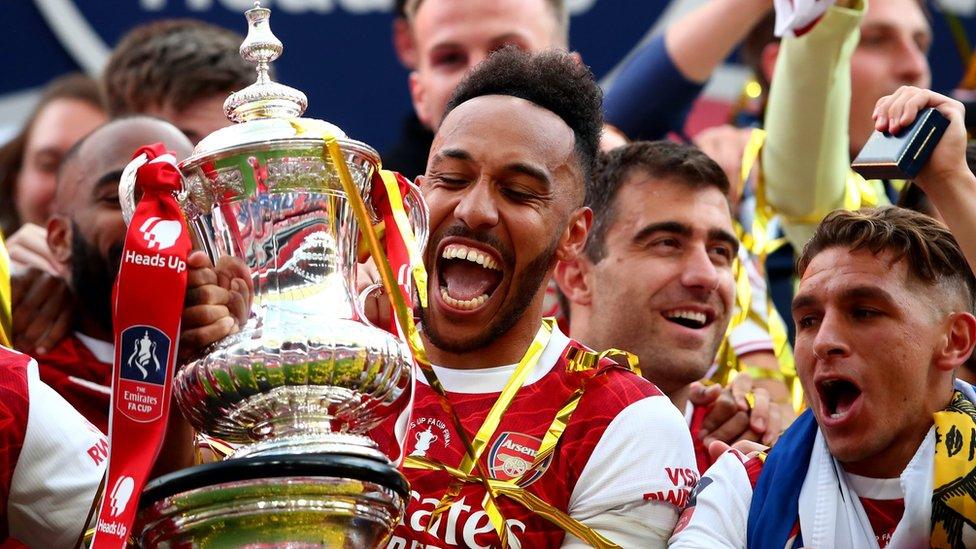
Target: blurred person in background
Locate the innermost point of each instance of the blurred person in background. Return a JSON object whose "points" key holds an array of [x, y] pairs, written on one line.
{"points": [[180, 70], [440, 41], [70, 107]]}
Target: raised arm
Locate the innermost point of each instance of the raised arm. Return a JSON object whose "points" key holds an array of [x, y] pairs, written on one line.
{"points": [[653, 90], [805, 159]]}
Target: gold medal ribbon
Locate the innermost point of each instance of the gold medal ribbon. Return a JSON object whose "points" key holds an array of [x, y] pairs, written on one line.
{"points": [[487, 430]]}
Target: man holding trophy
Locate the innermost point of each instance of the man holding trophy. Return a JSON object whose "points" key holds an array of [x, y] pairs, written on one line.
{"points": [[516, 436]]}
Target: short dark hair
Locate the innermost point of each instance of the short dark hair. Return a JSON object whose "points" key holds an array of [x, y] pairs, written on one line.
{"points": [[931, 253], [174, 62], [74, 86], [659, 160], [553, 80]]}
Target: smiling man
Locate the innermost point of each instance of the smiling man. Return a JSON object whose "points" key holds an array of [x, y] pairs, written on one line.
{"points": [[662, 248]]}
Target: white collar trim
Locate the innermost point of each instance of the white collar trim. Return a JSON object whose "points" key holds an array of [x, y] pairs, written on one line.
{"points": [[103, 350], [493, 380]]}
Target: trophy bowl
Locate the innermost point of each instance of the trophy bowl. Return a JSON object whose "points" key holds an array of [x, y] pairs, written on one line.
{"points": [[299, 387]]}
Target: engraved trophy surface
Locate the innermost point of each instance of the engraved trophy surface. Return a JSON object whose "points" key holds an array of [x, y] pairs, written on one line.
{"points": [[297, 389]]}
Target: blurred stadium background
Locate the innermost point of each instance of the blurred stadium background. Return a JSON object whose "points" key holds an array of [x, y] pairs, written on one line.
{"points": [[340, 53]]}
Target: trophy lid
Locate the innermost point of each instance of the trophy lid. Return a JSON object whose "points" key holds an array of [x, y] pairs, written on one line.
{"points": [[262, 111]]}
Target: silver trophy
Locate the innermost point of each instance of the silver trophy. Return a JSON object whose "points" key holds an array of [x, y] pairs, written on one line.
{"points": [[299, 387]]}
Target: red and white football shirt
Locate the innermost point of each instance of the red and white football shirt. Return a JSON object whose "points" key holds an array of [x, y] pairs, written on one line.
{"points": [[51, 459], [79, 368], [624, 465]]}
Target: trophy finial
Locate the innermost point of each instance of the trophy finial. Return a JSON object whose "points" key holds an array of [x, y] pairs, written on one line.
{"points": [[264, 98]]}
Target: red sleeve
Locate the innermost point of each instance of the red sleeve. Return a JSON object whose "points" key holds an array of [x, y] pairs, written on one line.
{"points": [[13, 422], [702, 458]]}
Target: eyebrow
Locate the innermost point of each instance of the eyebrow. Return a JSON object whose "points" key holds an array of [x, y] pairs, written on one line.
{"points": [[679, 228], [662, 227], [724, 236], [111, 177], [517, 167], [802, 301]]}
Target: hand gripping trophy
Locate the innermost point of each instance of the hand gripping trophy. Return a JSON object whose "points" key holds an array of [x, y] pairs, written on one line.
{"points": [[299, 388]]}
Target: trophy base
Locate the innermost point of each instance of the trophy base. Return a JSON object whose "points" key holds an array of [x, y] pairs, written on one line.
{"points": [[274, 501]]}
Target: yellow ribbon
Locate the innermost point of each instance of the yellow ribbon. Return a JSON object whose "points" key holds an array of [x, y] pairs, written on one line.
{"points": [[759, 244], [332, 154], [6, 318]]}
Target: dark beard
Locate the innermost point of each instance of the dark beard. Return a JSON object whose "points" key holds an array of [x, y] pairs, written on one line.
{"points": [[524, 287], [92, 278]]}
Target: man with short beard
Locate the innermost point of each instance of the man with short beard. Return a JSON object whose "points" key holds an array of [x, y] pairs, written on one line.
{"points": [[85, 234], [662, 248], [505, 184]]}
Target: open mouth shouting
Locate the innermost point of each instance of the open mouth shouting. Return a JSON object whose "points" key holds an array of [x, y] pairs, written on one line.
{"points": [[468, 274], [839, 399]]}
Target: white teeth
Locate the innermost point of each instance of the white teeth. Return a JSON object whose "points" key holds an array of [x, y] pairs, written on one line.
{"points": [[835, 415], [694, 316], [465, 305], [458, 251]]}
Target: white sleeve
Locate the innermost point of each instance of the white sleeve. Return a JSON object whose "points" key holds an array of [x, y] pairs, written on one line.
{"points": [[58, 472], [638, 477], [718, 514]]}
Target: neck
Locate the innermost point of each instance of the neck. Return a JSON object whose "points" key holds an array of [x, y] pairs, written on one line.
{"points": [[679, 397], [507, 349]]}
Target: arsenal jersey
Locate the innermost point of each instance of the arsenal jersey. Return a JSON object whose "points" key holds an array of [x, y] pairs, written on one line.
{"points": [[624, 465], [51, 459], [79, 368]]}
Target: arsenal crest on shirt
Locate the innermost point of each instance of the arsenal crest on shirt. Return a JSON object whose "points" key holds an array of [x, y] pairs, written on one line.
{"points": [[511, 456]]}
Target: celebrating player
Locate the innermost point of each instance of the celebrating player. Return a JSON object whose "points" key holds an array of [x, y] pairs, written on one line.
{"points": [[505, 185]]}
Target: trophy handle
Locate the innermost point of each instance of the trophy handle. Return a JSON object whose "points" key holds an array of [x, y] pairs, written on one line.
{"points": [[419, 215], [361, 303], [127, 187], [127, 184]]}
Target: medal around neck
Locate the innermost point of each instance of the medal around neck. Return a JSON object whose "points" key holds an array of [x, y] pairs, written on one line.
{"points": [[300, 387]]}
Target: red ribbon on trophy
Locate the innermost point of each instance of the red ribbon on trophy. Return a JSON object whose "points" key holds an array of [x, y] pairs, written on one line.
{"points": [[148, 304]]}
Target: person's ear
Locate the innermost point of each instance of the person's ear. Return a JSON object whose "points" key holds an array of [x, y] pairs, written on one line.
{"points": [[418, 94], [573, 278], [403, 43], [574, 236], [959, 342], [59, 235], [767, 60]]}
